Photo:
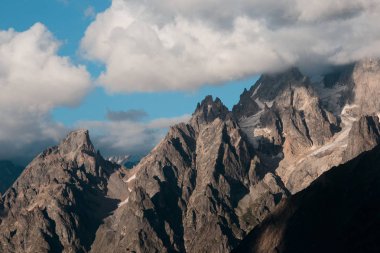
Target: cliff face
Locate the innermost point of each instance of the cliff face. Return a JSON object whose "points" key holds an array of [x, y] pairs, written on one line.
{"points": [[290, 122], [188, 188], [306, 121], [58, 202], [364, 135]]}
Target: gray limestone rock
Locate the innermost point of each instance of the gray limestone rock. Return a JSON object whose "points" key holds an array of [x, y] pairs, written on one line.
{"points": [[188, 188], [364, 135], [58, 202]]}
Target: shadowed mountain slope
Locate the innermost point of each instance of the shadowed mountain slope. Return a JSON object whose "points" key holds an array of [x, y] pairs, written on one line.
{"points": [[338, 212]]}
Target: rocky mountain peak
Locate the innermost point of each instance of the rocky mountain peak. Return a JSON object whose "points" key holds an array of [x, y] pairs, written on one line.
{"points": [[282, 113], [358, 85], [368, 65], [77, 141], [266, 90], [208, 110], [247, 106], [364, 136], [269, 86], [60, 199], [289, 74]]}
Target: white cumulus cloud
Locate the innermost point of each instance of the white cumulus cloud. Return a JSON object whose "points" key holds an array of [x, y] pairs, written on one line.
{"points": [[129, 137], [155, 45], [34, 79]]}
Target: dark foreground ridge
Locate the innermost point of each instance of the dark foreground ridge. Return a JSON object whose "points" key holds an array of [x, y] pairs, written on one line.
{"points": [[339, 212]]}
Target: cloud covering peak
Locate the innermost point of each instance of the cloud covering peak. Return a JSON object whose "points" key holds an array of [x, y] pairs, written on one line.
{"points": [[120, 137], [33, 80], [181, 45]]}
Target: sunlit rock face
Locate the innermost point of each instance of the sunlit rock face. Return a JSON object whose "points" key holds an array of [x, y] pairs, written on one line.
{"points": [[309, 119], [58, 202], [191, 186]]}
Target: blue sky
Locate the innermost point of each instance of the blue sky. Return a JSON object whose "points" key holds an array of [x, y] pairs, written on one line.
{"points": [[86, 105], [157, 105], [66, 19]]}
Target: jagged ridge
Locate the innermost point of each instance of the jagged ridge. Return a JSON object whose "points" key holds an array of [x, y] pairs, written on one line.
{"points": [[59, 200]]}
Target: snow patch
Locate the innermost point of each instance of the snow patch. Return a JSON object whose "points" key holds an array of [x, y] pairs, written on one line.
{"points": [[330, 96], [262, 131], [347, 108], [124, 202], [256, 90], [131, 178], [340, 141], [121, 160], [259, 103], [251, 121], [269, 103], [249, 124]]}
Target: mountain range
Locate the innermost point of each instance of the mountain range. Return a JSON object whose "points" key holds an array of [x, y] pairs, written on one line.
{"points": [[222, 179]]}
